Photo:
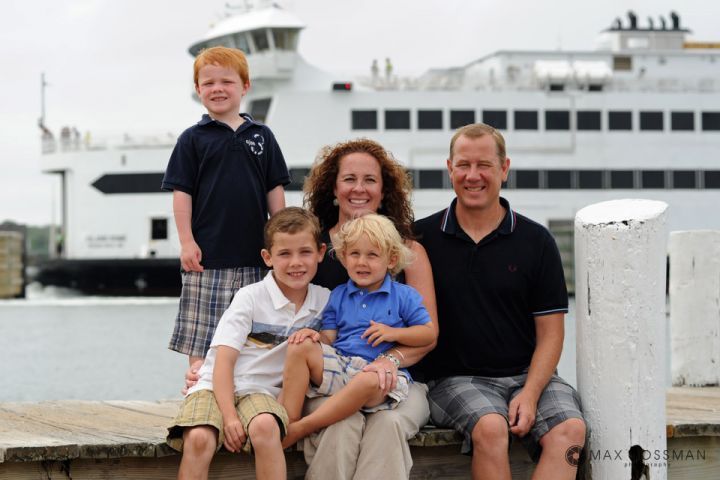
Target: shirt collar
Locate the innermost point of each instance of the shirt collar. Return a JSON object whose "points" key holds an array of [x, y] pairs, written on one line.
{"points": [[385, 287], [312, 303], [206, 119], [279, 300], [449, 223]]}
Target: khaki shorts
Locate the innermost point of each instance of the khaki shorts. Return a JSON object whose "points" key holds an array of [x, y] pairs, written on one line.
{"points": [[201, 409]]}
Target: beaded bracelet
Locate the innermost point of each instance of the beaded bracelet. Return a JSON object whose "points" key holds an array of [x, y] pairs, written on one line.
{"points": [[390, 357]]}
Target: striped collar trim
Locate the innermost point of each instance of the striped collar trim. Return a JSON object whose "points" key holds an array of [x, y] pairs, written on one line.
{"points": [[449, 223]]}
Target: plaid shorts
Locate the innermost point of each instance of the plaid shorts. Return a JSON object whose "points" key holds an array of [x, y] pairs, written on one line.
{"points": [[204, 298], [201, 408], [459, 402], [339, 369]]}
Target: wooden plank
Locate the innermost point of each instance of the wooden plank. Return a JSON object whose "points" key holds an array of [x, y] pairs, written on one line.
{"points": [[693, 411], [99, 431]]}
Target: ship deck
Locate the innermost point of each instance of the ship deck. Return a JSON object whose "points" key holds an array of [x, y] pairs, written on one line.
{"points": [[125, 439]]}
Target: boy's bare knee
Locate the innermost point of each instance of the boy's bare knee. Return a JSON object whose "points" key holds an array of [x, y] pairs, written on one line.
{"points": [[264, 430], [301, 350], [200, 440], [367, 380], [490, 434]]}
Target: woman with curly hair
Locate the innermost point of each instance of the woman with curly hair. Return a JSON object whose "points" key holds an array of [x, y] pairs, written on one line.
{"points": [[348, 180]]}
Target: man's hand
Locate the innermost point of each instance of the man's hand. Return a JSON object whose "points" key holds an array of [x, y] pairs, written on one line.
{"points": [[522, 411], [234, 435], [192, 376], [377, 333], [302, 334], [386, 372], [190, 257]]}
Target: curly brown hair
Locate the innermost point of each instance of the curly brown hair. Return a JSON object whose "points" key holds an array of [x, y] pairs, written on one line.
{"points": [[396, 184]]}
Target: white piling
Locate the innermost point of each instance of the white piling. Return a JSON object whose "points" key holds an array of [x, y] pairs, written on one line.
{"points": [[695, 307], [620, 258]]}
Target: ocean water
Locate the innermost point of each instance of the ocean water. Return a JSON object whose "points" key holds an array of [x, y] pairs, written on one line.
{"points": [[59, 346]]}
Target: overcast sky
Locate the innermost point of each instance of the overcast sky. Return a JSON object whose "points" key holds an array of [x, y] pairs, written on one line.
{"points": [[122, 65]]}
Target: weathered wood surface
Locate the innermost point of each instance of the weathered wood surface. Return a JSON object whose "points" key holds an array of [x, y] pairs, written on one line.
{"points": [[693, 412], [125, 439]]}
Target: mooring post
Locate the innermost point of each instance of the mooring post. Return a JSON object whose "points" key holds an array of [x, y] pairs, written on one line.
{"points": [[620, 261], [695, 307]]}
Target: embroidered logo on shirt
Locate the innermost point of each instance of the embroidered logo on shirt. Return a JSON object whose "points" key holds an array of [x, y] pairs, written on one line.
{"points": [[256, 144], [512, 268]]}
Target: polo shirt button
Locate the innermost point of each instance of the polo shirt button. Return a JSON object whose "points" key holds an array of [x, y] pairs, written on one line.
{"points": [[364, 305]]}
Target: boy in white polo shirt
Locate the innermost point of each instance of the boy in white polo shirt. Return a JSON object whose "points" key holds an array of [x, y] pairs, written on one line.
{"points": [[234, 402]]}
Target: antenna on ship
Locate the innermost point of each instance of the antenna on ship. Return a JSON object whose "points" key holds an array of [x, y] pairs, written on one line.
{"points": [[675, 20], [633, 20], [43, 84], [663, 25]]}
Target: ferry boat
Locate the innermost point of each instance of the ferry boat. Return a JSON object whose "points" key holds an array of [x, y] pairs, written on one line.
{"points": [[638, 117]]}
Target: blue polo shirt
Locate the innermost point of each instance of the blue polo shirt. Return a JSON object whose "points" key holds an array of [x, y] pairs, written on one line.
{"points": [[228, 173], [350, 309]]}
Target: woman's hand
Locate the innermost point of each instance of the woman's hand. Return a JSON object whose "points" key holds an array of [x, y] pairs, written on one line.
{"points": [[302, 334], [386, 371], [192, 376]]}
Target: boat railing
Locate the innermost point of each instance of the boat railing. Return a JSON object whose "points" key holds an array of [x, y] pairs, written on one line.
{"points": [[88, 143]]}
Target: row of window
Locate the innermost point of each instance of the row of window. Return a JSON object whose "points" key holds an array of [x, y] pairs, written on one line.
{"points": [[555, 120], [557, 179]]}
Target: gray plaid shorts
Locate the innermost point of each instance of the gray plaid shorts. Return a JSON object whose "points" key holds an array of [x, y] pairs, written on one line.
{"points": [[339, 369], [204, 298], [459, 402]]}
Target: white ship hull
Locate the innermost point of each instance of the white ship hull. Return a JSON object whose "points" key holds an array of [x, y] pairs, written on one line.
{"points": [[581, 127]]}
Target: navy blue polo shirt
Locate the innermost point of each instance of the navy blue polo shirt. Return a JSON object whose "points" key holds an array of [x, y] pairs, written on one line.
{"points": [[488, 293], [228, 174]]}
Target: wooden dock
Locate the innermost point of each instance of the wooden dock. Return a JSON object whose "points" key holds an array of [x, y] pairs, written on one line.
{"points": [[125, 440]]}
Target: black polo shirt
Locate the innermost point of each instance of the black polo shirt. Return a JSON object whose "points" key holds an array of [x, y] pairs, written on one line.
{"points": [[228, 174], [488, 293]]}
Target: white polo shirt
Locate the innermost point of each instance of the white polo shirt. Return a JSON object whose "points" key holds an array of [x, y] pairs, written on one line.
{"points": [[257, 324]]}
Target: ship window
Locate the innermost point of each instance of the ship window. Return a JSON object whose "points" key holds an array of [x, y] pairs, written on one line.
{"points": [[241, 42], [682, 121], [430, 119], [712, 179], [260, 39], [622, 63], [557, 179], [364, 120], [651, 121], [711, 121], [557, 87], [595, 87], [158, 229], [259, 109], [285, 39], [495, 118], [590, 179], [588, 120], [683, 179], [527, 179], [557, 120], [430, 178], [526, 120], [653, 178], [397, 119], [619, 120], [297, 178], [621, 179], [460, 118]]}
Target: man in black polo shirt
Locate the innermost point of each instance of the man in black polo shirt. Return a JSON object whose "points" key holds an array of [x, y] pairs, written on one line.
{"points": [[501, 300]]}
